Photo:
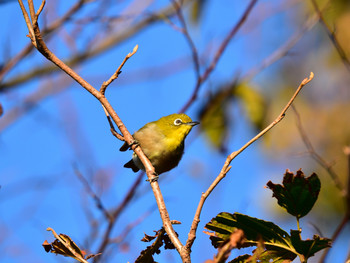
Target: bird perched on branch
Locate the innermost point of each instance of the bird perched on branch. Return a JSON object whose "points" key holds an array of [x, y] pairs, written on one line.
{"points": [[162, 141]]}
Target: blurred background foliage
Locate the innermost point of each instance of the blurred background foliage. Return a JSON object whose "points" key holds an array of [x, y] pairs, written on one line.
{"points": [[45, 115]]}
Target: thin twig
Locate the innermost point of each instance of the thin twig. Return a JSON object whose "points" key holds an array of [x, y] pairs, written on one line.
{"points": [[283, 50], [346, 217], [150, 171], [128, 228], [218, 55], [314, 155], [184, 30], [28, 23], [332, 36], [46, 32], [236, 240], [114, 215], [118, 71], [104, 86], [98, 48], [94, 196], [39, 12], [226, 167]]}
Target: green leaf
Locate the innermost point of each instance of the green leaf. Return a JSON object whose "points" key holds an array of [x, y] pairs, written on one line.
{"points": [[276, 241], [274, 245], [253, 104], [298, 193], [214, 114], [241, 259], [197, 10], [309, 247], [214, 120]]}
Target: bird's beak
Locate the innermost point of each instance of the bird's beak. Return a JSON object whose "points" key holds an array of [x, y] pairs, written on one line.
{"points": [[192, 123]]}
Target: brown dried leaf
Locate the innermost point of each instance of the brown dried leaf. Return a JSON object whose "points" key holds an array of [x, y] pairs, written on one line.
{"points": [[47, 246]]}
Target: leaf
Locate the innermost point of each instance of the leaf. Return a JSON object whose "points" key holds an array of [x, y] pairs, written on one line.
{"points": [[253, 104], [148, 238], [197, 10], [274, 245], [241, 259], [277, 242], [214, 114], [214, 120], [162, 238], [254, 229], [298, 193], [64, 245], [309, 247], [47, 246]]}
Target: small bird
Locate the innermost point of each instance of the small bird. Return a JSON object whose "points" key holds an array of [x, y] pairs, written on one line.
{"points": [[162, 141]]}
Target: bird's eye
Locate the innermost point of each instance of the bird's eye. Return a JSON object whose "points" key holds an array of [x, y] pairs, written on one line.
{"points": [[177, 121]]}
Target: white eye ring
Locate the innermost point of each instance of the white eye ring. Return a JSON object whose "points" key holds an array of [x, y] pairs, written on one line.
{"points": [[177, 122]]}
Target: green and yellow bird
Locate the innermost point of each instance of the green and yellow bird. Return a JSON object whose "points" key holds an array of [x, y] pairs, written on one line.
{"points": [[162, 141]]}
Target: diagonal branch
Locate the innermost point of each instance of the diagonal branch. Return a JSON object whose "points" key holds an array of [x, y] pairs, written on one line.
{"points": [[332, 36], [184, 31], [43, 49], [46, 32], [226, 167], [118, 71], [218, 55], [98, 49], [314, 155]]}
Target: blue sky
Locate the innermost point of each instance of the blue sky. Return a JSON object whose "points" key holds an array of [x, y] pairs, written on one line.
{"points": [[38, 152]]}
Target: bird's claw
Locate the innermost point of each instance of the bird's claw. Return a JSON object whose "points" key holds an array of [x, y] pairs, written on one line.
{"points": [[153, 179], [134, 142]]}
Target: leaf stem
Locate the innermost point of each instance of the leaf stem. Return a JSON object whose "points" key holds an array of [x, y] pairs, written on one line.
{"points": [[298, 225]]}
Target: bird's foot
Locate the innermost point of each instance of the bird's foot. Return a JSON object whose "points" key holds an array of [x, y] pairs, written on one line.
{"points": [[134, 142], [153, 179]]}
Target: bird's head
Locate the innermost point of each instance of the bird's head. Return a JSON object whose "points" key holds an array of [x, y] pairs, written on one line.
{"points": [[176, 125]]}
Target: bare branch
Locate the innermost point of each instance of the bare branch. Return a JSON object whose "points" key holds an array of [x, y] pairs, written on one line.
{"points": [[327, 166], [98, 48], [43, 49], [28, 23], [346, 217], [332, 36], [116, 213], [184, 30], [118, 71], [39, 12], [46, 32], [218, 55], [226, 167], [89, 190], [283, 50]]}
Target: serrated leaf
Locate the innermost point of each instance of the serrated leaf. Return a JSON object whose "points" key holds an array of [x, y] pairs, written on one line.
{"points": [[254, 229], [253, 103], [274, 245], [309, 247], [276, 241], [298, 193]]}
